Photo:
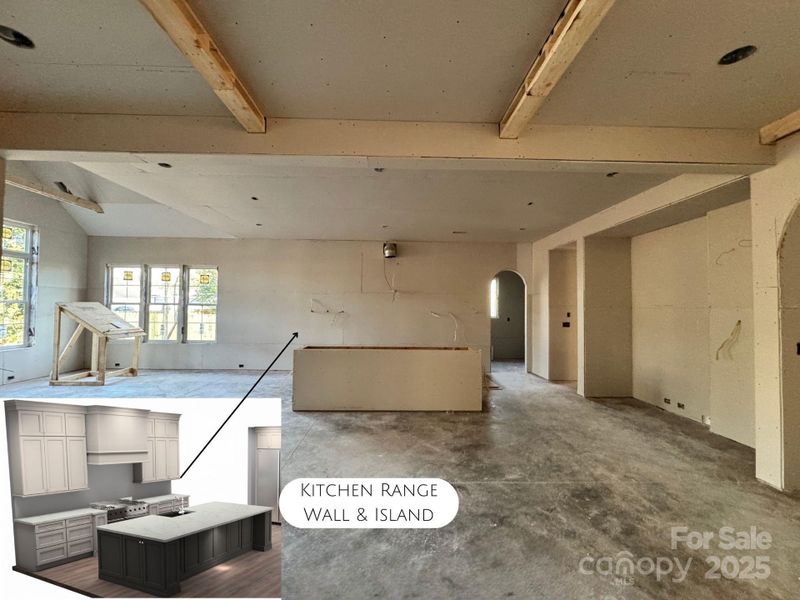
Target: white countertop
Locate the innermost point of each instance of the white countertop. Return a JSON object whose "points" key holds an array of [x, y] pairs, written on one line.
{"points": [[59, 516], [197, 518], [165, 498]]}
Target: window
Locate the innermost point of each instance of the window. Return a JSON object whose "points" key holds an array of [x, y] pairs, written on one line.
{"points": [[125, 293], [171, 303], [201, 305], [494, 299], [17, 284], [163, 304]]}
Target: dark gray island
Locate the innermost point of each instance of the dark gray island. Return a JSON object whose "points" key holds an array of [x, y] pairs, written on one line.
{"points": [[155, 553]]}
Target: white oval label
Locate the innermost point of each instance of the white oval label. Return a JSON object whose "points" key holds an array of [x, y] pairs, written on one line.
{"points": [[369, 503]]}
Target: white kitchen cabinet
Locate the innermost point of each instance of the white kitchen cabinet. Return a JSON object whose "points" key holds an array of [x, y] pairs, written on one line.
{"points": [[30, 423], [166, 428], [148, 467], [77, 471], [172, 459], [163, 450], [54, 424], [43, 459], [33, 475], [160, 459], [55, 454], [46, 540], [76, 425]]}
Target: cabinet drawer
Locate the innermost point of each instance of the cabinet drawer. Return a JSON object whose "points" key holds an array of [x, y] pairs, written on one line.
{"points": [[80, 547], [79, 533], [79, 521], [51, 554], [51, 538], [50, 526], [100, 519]]}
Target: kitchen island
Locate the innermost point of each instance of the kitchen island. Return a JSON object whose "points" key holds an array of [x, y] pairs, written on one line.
{"points": [[155, 553]]}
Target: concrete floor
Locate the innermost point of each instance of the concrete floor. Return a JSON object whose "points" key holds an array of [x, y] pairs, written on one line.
{"points": [[545, 478]]}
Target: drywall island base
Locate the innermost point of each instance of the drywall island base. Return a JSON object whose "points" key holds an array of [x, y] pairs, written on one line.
{"points": [[387, 378], [155, 553]]}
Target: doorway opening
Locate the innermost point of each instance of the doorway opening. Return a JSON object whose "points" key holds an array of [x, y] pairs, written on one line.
{"points": [[507, 317], [789, 321], [563, 306]]}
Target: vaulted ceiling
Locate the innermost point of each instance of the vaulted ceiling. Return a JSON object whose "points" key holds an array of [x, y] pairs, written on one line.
{"points": [[648, 64]]}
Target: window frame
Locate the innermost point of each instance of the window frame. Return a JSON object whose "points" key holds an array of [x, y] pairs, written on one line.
{"points": [[31, 282], [178, 316], [185, 305], [109, 296], [494, 298], [145, 304]]}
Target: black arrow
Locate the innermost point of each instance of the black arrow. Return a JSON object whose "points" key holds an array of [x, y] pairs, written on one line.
{"points": [[274, 360]]}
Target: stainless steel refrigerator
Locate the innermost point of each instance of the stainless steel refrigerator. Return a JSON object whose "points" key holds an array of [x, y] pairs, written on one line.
{"points": [[267, 480]]}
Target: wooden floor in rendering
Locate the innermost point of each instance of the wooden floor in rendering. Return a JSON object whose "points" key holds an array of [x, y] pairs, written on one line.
{"points": [[251, 575]]}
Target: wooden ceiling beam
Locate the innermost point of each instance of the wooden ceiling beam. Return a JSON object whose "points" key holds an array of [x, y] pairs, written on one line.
{"points": [[37, 188], [571, 32], [771, 133], [189, 34]]}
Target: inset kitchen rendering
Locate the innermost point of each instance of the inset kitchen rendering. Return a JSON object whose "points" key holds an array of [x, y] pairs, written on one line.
{"points": [[95, 511]]}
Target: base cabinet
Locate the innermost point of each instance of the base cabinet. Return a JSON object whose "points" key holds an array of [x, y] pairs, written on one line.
{"points": [[140, 564], [211, 547], [158, 567]]}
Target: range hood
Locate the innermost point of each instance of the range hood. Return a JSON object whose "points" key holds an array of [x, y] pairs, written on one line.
{"points": [[115, 435]]}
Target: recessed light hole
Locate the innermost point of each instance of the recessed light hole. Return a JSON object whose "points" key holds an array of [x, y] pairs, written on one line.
{"points": [[612, 174], [737, 55], [15, 38], [165, 165]]}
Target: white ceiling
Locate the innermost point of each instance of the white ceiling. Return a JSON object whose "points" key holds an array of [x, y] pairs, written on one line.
{"points": [[651, 62], [654, 62], [334, 202], [452, 60]]}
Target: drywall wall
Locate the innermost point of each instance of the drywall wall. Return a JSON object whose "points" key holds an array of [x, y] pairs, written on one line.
{"points": [[508, 329], [268, 288], [62, 278], [540, 317], [605, 289], [107, 482], [669, 287], [687, 345], [730, 298], [525, 270], [775, 198], [683, 189], [563, 306]]}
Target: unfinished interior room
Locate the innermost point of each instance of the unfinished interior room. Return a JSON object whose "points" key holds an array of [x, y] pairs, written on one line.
{"points": [[546, 251]]}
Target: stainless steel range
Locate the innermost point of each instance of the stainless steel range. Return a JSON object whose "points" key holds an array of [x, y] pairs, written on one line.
{"points": [[124, 508]]}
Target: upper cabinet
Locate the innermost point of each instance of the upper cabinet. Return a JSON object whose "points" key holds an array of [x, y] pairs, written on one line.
{"points": [[51, 445], [163, 463], [46, 448]]}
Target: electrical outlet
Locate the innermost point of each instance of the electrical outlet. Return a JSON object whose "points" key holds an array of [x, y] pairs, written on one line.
{"points": [[116, 364], [10, 378], [241, 366], [667, 401], [681, 406], [706, 420]]}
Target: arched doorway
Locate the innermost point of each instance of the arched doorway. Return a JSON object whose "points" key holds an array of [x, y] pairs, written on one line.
{"points": [[789, 320], [507, 317]]}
